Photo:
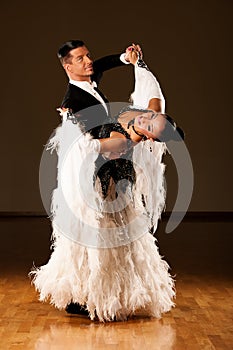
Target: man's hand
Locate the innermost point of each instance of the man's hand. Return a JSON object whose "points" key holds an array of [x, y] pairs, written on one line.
{"points": [[116, 144]]}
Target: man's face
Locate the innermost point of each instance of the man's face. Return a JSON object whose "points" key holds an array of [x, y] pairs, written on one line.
{"points": [[80, 65]]}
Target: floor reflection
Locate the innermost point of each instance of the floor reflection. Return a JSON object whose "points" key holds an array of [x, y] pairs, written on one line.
{"points": [[133, 334]]}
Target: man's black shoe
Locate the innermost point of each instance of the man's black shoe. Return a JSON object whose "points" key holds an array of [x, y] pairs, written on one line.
{"points": [[77, 309]]}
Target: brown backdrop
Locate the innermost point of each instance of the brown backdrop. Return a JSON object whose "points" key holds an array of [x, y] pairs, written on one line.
{"points": [[187, 44]]}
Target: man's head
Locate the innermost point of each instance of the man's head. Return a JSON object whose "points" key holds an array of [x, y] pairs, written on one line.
{"points": [[76, 60]]}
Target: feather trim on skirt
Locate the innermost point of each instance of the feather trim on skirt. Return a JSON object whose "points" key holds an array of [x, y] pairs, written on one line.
{"points": [[113, 281]]}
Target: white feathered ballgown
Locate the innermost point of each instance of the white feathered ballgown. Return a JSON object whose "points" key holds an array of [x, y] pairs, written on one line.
{"points": [[104, 257]]}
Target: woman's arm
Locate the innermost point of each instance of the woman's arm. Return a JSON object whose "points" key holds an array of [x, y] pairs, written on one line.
{"points": [[147, 92], [156, 105], [113, 144]]}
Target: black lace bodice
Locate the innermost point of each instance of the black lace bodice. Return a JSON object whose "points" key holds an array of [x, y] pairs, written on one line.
{"points": [[117, 169], [112, 126]]}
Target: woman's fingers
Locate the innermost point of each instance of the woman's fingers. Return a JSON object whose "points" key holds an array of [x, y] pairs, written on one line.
{"points": [[62, 110], [132, 56], [137, 48]]}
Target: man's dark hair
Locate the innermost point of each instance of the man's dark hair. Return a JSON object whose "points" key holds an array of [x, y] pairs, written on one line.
{"points": [[64, 51]]}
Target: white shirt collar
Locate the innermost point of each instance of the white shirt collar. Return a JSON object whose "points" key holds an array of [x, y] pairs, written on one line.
{"points": [[83, 84]]}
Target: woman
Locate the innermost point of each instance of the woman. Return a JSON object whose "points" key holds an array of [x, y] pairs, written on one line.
{"points": [[105, 258]]}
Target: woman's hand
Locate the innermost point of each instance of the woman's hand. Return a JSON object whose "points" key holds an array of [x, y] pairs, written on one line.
{"points": [[114, 155], [62, 111], [133, 57]]}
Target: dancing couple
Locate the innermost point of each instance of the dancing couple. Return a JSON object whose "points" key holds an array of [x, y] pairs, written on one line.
{"points": [[110, 195]]}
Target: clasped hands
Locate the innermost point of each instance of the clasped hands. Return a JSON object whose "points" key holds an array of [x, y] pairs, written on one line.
{"points": [[132, 53]]}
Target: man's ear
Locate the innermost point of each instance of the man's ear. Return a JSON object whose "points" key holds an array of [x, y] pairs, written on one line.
{"points": [[67, 67]]}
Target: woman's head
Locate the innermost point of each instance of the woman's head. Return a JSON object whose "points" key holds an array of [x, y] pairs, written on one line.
{"points": [[157, 126], [150, 124]]}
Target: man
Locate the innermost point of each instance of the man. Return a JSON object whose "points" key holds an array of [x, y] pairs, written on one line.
{"points": [[84, 76], [82, 95]]}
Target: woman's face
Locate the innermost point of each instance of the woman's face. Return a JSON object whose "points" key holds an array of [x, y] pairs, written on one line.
{"points": [[150, 124]]}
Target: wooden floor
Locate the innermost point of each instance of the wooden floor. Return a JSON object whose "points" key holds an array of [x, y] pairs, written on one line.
{"points": [[202, 318]]}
